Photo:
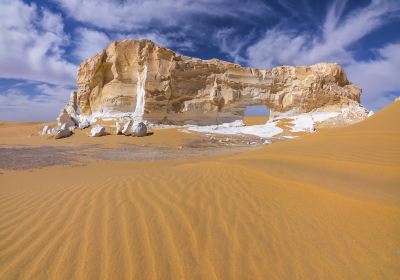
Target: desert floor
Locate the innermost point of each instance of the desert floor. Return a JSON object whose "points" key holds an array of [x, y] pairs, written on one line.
{"points": [[323, 206]]}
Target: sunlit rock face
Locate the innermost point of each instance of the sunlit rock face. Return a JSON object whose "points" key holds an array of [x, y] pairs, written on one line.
{"points": [[153, 83]]}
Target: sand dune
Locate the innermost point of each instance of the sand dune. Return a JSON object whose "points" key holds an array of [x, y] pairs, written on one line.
{"points": [[325, 206]]}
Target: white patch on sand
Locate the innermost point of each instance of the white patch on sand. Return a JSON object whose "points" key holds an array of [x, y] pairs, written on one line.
{"points": [[305, 122], [267, 130]]}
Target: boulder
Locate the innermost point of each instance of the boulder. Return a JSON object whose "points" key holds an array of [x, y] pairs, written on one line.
{"points": [[127, 129], [118, 128], [65, 118], [46, 130], [84, 124], [61, 132], [98, 131], [140, 130]]}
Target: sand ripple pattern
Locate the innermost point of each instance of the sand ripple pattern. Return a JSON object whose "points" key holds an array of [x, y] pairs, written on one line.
{"points": [[212, 220]]}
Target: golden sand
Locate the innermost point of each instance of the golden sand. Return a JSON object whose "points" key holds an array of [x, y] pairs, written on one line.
{"points": [[254, 120], [324, 206]]}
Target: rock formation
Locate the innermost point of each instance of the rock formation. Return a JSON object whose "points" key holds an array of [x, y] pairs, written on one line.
{"points": [[69, 114], [61, 131], [138, 79], [118, 128], [140, 130], [98, 131], [46, 130]]}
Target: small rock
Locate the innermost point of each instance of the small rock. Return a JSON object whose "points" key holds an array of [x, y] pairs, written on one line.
{"points": [[84, 124], [118, 128], [140, 130], [46, 130], [65, 118], [61, 132], [98, 131], [127, 130]]}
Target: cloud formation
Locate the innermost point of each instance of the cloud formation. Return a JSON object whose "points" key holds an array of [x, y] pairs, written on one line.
{"points": [[290, 46], [130, 15], [379, 77], [31, 44], [44, 104]]}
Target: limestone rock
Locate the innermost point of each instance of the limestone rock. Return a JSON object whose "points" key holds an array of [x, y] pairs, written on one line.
{"points": [[68, 114], [65, 118], [127, 129], [72, 105], [140, 130], [118, 128], [84, 124], [153, 83], [98, 131], [46, 130], [61, 131]]}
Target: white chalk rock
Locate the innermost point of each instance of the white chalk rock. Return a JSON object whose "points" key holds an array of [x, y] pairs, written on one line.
{"points": [[61, 131], [65, 118], [140, 130], [46, 130], [118, 128], [84, 124], [127, 130], [98, 131]]}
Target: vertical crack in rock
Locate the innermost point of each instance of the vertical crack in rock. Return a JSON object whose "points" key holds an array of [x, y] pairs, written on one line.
{"points": [[140, 94]]}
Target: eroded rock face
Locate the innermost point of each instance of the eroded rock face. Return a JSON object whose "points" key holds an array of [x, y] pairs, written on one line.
{"points": [[153, 83]]}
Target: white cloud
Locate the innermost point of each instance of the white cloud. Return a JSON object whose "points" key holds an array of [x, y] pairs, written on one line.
{"points": [[282, 46], [44, 105], [230, 43], [130, 15], [379, 78], [89, 42], [31, 44]]}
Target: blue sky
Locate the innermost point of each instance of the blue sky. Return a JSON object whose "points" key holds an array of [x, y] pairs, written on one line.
{"points": [[42, 42]]}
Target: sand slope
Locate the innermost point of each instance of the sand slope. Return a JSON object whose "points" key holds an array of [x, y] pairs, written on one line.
{"points": [[326, 206]]}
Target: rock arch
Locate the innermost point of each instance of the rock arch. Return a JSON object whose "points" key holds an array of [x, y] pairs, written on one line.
{"points": [[181, 89]]}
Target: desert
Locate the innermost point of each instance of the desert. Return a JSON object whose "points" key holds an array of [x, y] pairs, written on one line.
{"points": [[294, 208], [208, 140]]}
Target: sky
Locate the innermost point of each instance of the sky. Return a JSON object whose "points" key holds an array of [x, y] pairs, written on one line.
{"points": [[42, 42]]}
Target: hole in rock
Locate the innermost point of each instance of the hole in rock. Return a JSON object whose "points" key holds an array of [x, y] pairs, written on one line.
{"points": [[255, 114]]}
